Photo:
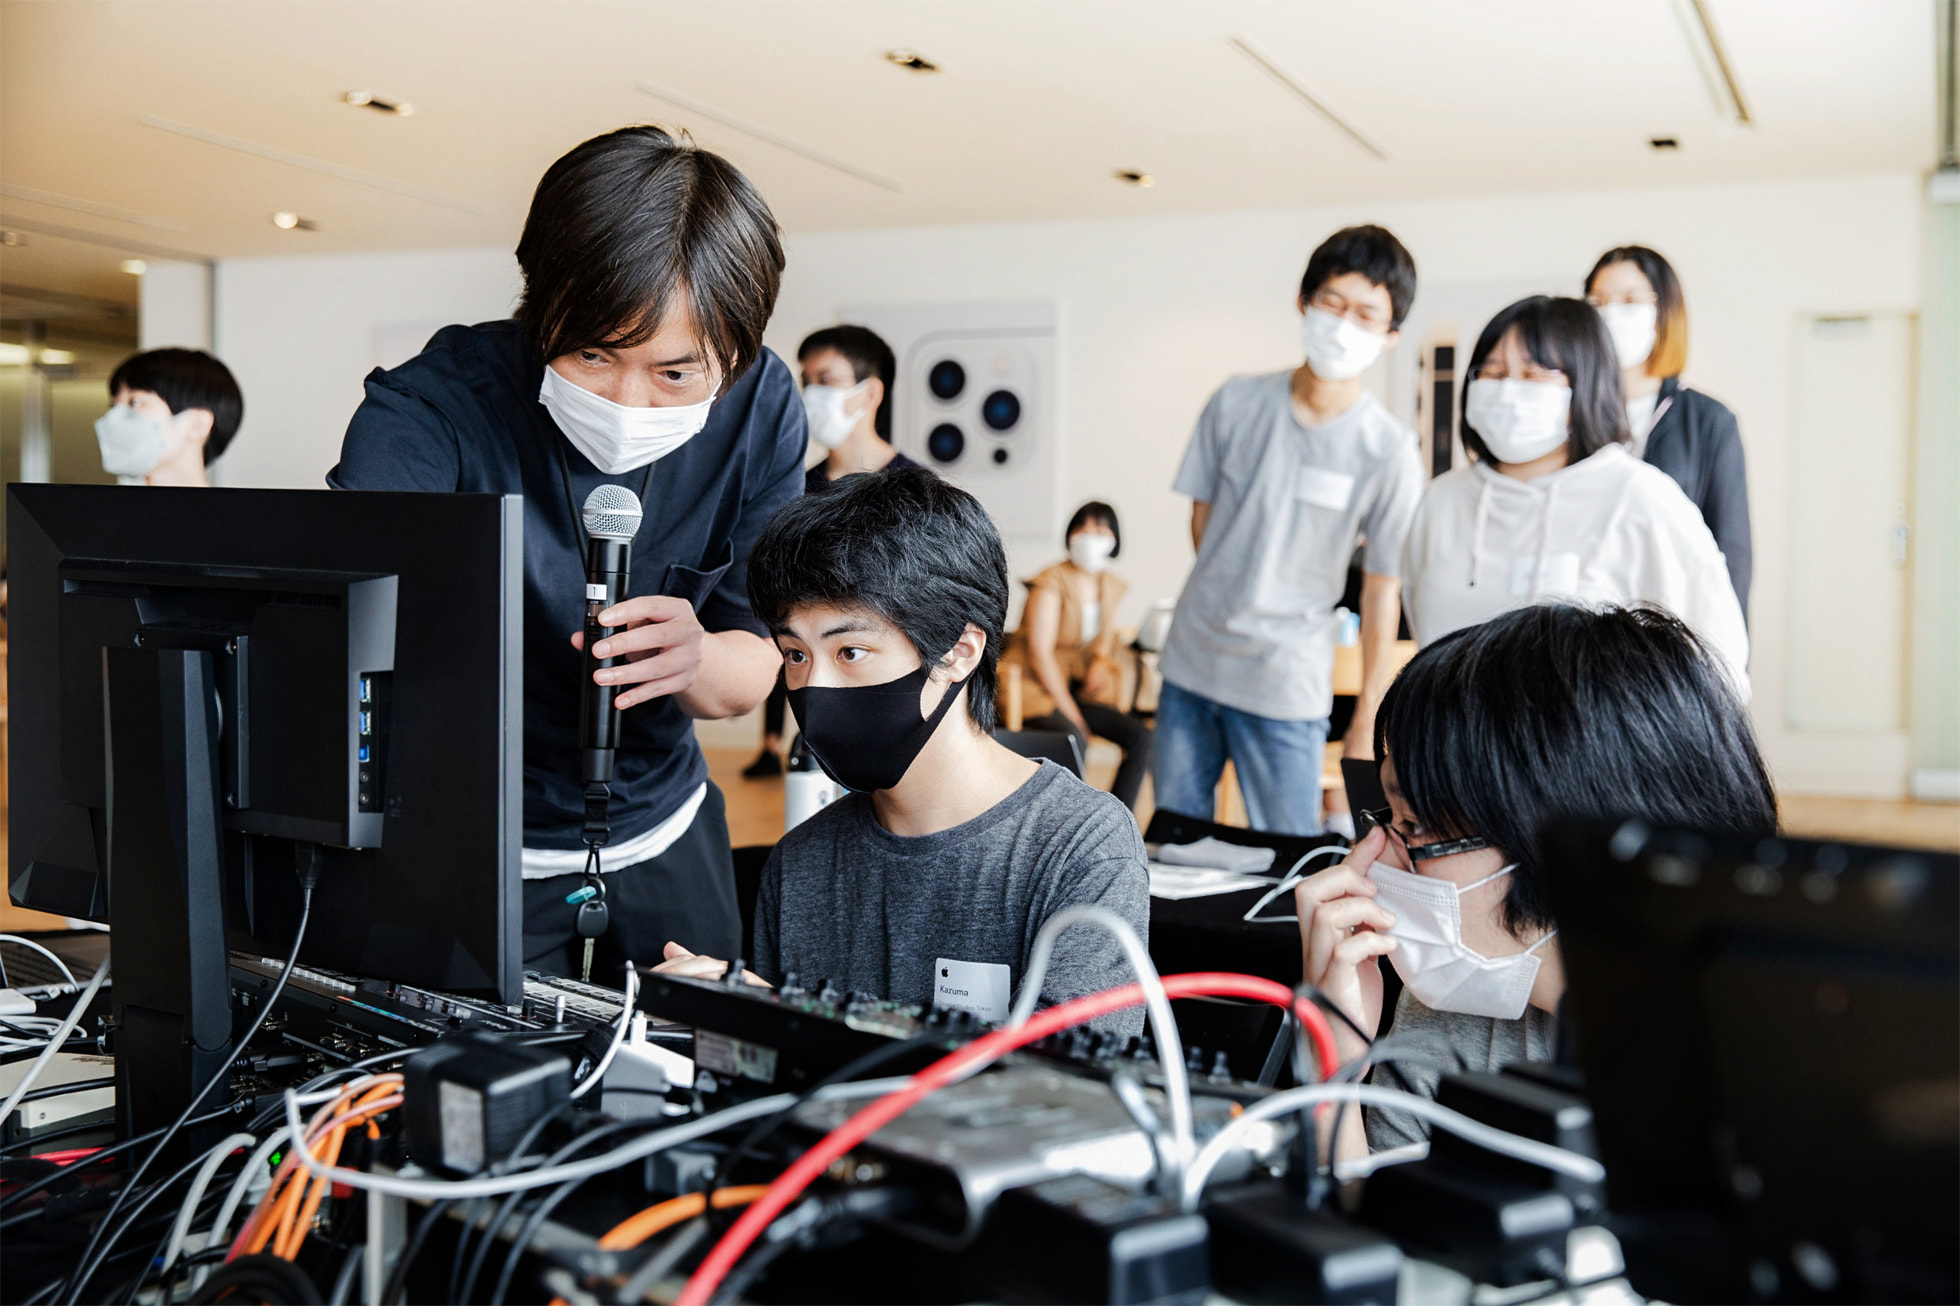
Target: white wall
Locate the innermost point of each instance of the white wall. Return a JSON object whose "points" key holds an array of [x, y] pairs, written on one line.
{"points": [[301, 332], [1155, 312], [175, 306]]}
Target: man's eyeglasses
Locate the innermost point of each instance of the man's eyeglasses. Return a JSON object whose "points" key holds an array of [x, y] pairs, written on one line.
{"points": [[1425, 852]]}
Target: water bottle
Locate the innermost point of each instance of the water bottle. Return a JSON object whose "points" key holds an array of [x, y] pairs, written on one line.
{"points": [[806, 789]]}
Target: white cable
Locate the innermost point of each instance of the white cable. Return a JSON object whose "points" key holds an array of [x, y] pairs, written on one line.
{"points": [[254, 1168], [619, 1035], [1286, 882], [459, 1189], [1157, 1005], [54, 1044], [29, 943], [1582, 1168], [217, 1157]]}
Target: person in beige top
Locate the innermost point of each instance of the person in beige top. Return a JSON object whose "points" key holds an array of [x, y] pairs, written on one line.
{"points": [[1067, 641]]}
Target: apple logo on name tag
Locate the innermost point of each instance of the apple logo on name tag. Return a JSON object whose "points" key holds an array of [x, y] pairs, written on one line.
{"points": [[982, 987]]}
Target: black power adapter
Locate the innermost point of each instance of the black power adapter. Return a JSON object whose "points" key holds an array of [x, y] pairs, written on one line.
{"points": [[1268, 1245], [1078, 1238], [469, 1099]]}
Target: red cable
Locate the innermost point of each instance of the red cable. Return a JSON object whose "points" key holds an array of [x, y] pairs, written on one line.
{"points": [[974, 1056]]}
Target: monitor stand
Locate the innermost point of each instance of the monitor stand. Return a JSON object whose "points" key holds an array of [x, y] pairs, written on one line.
{"points": [[172, 992]]}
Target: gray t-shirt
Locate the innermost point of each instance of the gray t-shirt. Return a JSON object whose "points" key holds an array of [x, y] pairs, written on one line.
{"points": [[949, 919], [1255, 626], [1483, 1042]]}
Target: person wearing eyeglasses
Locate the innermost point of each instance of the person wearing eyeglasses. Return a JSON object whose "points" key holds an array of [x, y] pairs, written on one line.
{"points": [[1686, 434], [1554, 504], [1287, 472], [1547, 712]]}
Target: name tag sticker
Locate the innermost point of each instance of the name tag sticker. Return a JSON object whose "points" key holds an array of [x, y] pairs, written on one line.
{"points": [[981, 987], [1561, 575], [1324, 489]]}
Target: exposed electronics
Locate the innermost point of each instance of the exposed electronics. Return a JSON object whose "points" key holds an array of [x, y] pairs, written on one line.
{"points": [[214, 689], [1770, 1032]]}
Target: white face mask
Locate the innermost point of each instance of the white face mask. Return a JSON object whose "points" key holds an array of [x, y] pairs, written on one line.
{"points": [[1431, 957], [823, 406], [613, 437], [1519, 421], [1091, 552], [1336, 348], [132, 443], [1632, 327]]}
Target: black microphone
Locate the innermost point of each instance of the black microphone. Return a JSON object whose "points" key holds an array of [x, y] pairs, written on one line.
{"points": [[612, 519]]}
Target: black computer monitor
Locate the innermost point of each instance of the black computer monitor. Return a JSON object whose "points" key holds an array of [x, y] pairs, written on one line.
{"points": [[1770, 1034], [212, 688]]}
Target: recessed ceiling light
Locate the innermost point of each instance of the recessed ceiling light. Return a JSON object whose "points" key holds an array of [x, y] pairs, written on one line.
{"points": [[378, 103], [1663, 144], [12, 239], [57, 357], [13, 355], [136, 267], [911, 61], [293, 222], [1131, 177]]}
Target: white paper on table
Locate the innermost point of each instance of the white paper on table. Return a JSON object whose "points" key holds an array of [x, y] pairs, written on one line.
{"points": [[1218, 854], [1178, 882]]}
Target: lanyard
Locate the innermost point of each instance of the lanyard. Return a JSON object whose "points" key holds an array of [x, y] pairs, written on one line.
{"points": [[571, 504]]}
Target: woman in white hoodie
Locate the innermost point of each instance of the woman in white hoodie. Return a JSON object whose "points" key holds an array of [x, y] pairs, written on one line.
{"points": [[1554, 505]]}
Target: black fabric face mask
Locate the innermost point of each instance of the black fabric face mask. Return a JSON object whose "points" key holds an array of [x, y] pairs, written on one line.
{"points": [[866, 737]]}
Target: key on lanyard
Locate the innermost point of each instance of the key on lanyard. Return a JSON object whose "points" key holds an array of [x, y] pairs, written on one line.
{"points": [[590, 922]]}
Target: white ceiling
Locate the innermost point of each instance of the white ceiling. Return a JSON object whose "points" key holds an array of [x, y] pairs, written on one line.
{"points": [[157, 127]]}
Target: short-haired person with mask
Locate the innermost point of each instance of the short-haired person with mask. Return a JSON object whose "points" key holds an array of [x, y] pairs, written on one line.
{"points": [[1545, 712], [1686, 434], [172, 413], [1553, 505], [635, 360], [1287, 472], [847, 386], [929, 881]]}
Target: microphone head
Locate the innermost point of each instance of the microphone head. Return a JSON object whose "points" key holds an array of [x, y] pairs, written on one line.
{"points": [[612, 512]]}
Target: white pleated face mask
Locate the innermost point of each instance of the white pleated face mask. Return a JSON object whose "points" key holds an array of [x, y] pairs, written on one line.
{"points": [[1519, 421], [1632, 327], [1090, 552], [1336, 348], [613, 437], [824, 408], [1435, 964]]}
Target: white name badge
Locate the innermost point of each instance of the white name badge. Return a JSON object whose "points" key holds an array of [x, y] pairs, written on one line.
{"points": [[1561, 575], [981, 987], [1324, 489]]}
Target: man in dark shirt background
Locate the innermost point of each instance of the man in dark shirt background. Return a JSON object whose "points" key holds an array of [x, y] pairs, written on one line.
{"points": [[650, 270]]}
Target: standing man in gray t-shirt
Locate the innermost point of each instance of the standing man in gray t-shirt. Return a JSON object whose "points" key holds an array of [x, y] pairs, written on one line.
{"points": [[1287, 473]]}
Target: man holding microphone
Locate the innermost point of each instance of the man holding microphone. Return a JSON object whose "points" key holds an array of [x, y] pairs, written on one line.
{"points": [[635, 361]]}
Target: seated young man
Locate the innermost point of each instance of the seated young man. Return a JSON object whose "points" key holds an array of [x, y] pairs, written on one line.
{"points": [[928, 882]]}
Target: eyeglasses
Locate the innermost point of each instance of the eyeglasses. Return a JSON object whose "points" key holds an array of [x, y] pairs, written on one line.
{"points": [[1384, 817], [1366, 316]]}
